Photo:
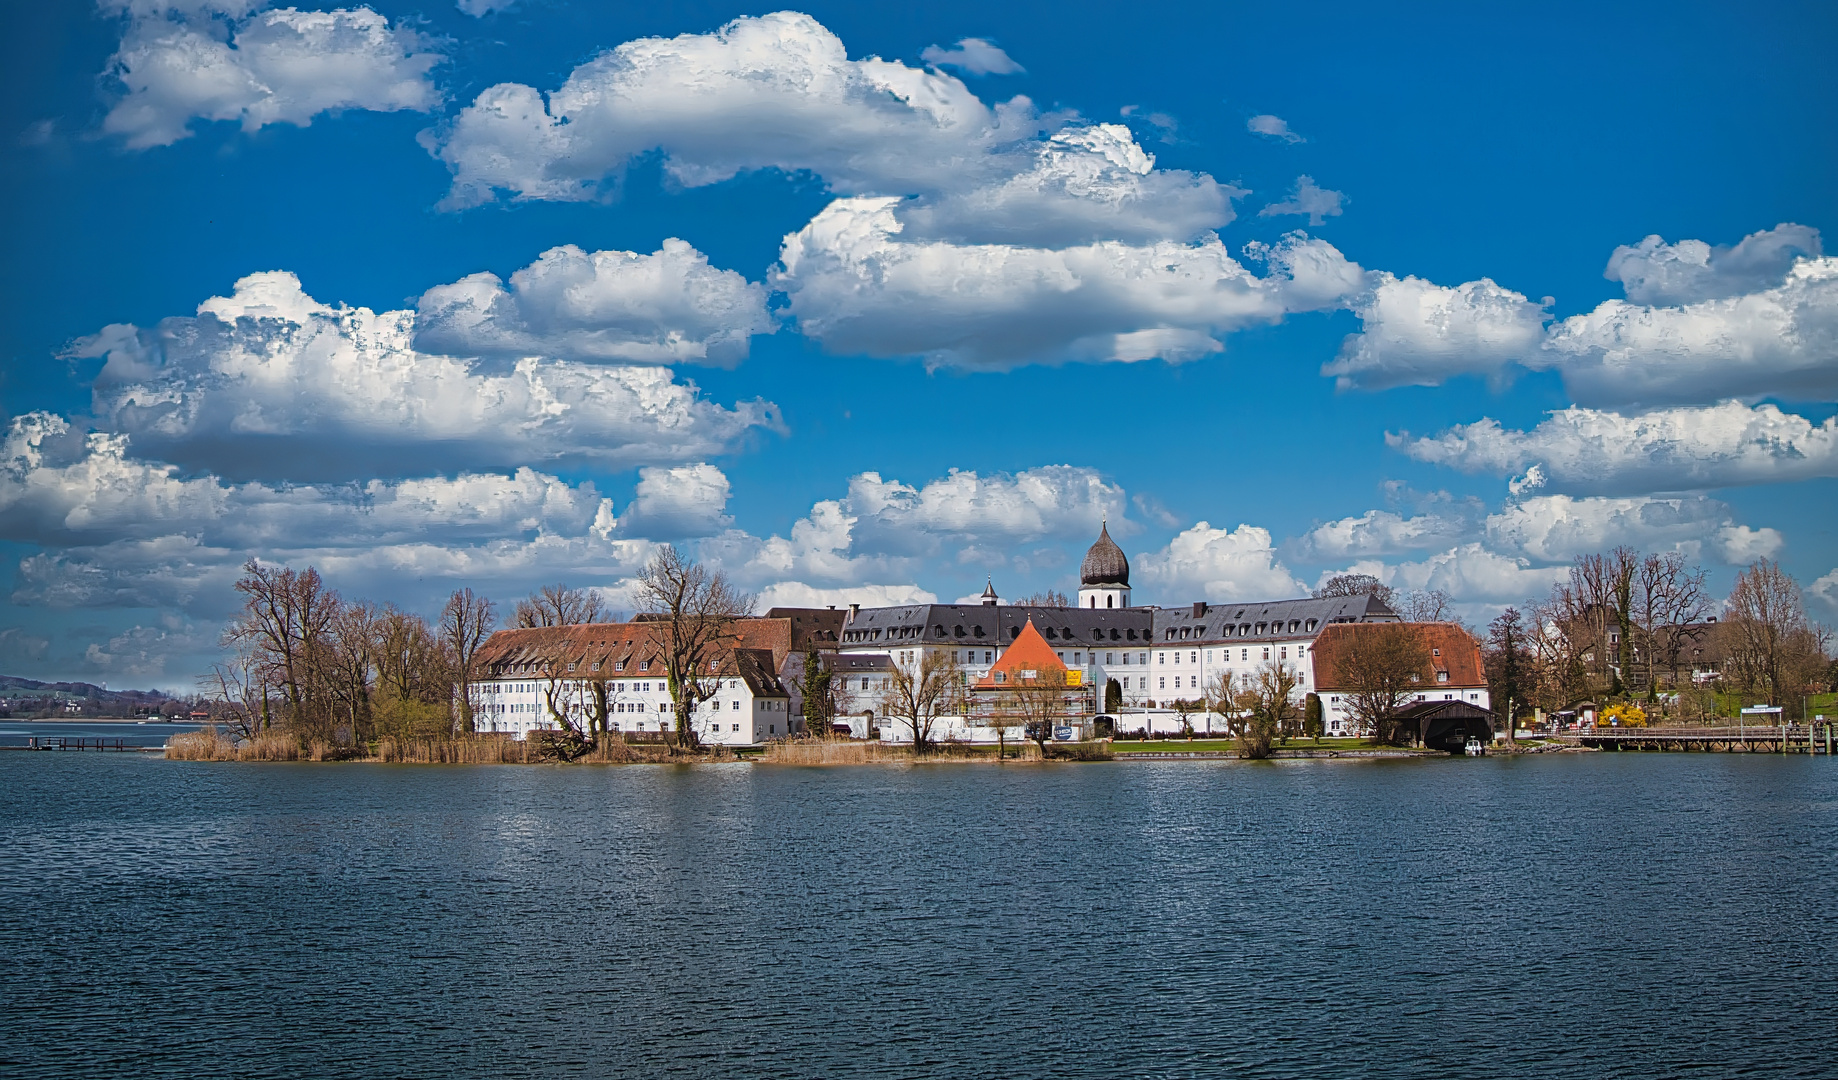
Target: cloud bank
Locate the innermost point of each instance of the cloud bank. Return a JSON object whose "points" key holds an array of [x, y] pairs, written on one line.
{"points": [[214, 61]]}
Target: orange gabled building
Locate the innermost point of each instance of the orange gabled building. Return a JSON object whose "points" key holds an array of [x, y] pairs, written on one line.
{"points": [[1020, 664], [1030, 662]]}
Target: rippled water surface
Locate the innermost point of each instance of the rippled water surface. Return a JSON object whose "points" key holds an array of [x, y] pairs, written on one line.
{"points": [[1573, 916]]}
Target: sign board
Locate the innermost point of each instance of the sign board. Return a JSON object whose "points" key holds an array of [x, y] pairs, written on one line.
{"points": [[1075, 677], [1754, 709], [1063, 734]]}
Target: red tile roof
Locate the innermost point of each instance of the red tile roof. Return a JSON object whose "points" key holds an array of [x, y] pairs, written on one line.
{"points": [[1453, 650], [520, 651]]}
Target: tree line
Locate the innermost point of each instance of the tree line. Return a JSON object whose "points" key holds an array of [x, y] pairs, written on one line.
{"points": [[1626, 627], [303, 660]]}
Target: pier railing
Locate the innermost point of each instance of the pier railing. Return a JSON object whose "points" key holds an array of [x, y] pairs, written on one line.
{"points": [[1748, 738]]}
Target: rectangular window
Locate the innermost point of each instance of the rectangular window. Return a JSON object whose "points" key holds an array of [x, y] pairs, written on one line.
{"points": [[1164, 682], [736, 727], [1244, 654], [1283, 653], [1193, 658], [736, 704], [985, 656], [1142, 658], [1266, 652], [1209, 656], [1301, 651], [864, 684], [1110, 658], [1161, 657]]}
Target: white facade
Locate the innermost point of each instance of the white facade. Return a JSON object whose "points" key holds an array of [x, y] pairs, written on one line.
{"points": [[1104, 596], [734, 715], [1337, 713]]}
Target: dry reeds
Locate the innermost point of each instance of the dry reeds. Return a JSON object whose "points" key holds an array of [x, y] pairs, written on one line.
{"points": [[209, 744], [205, 744]]}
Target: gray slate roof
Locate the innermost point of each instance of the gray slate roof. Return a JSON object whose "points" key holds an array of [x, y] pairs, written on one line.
{"points": [[985, 624], [1265, 620]]}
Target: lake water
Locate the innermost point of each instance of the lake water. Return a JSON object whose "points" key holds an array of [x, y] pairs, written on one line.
{"points": [[149, 733], [1552, 916]]}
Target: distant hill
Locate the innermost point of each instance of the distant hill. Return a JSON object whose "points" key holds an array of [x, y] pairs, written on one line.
{"points": [[12, 686]]}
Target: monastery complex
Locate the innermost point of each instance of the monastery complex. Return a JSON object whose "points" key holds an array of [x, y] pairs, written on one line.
{"points": [[1156, 656]]}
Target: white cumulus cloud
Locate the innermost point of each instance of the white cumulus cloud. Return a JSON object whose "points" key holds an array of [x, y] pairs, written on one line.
{"points": [[857, 285], [1700, 325], [1588, 451], [1659, 274], [974, 56], [1556, 528], [1825, 591], [269, 381], [1309, 198], [1781, 341], [774, 92], [214, 61], [1383, 532], [798, 594], [1216, 564], [1417, 333], [1470, 574], [1274, 127], [677, 501], [667, 307]]}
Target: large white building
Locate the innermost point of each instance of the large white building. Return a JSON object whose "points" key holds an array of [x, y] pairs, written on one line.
{"points": [[530, 674], [1156, 655]]}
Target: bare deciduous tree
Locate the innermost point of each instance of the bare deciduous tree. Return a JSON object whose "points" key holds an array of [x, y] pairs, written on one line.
{"points": [[1669, 603], [1266, 699], [285, 618], [1770, 648], [695, 610], [1425, 605], [1358, 585], [557, 605], [465, 623], [1382, 667], [920, 692]]}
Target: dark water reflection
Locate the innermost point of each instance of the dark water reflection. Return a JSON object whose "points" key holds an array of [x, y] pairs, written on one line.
{"points": [[1585, 916]]}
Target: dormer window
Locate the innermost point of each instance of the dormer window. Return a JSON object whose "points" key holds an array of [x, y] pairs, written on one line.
{"points": [[1435, 652], [644, 665]]}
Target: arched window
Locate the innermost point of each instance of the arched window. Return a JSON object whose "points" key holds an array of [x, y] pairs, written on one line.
{"points": [[1109, 601]]}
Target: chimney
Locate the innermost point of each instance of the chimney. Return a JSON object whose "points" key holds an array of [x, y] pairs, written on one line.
{"points": [[854, 610], [1199, 609]]}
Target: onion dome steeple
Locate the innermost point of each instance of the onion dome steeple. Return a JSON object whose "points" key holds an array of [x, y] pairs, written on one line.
{"points": [[1104, 563]]}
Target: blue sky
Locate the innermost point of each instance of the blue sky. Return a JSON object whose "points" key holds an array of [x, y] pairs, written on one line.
{"points": [[865, 304]]}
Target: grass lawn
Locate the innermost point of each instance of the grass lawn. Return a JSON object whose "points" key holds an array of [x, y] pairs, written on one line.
{"points": [[1182, 746]]}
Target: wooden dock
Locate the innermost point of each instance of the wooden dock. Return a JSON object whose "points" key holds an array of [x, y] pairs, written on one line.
{"points": [[64, 742], [1747, 739]]}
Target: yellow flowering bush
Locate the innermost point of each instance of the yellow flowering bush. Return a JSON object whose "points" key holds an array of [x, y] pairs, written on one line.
{"points": [[1625, 716]]}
